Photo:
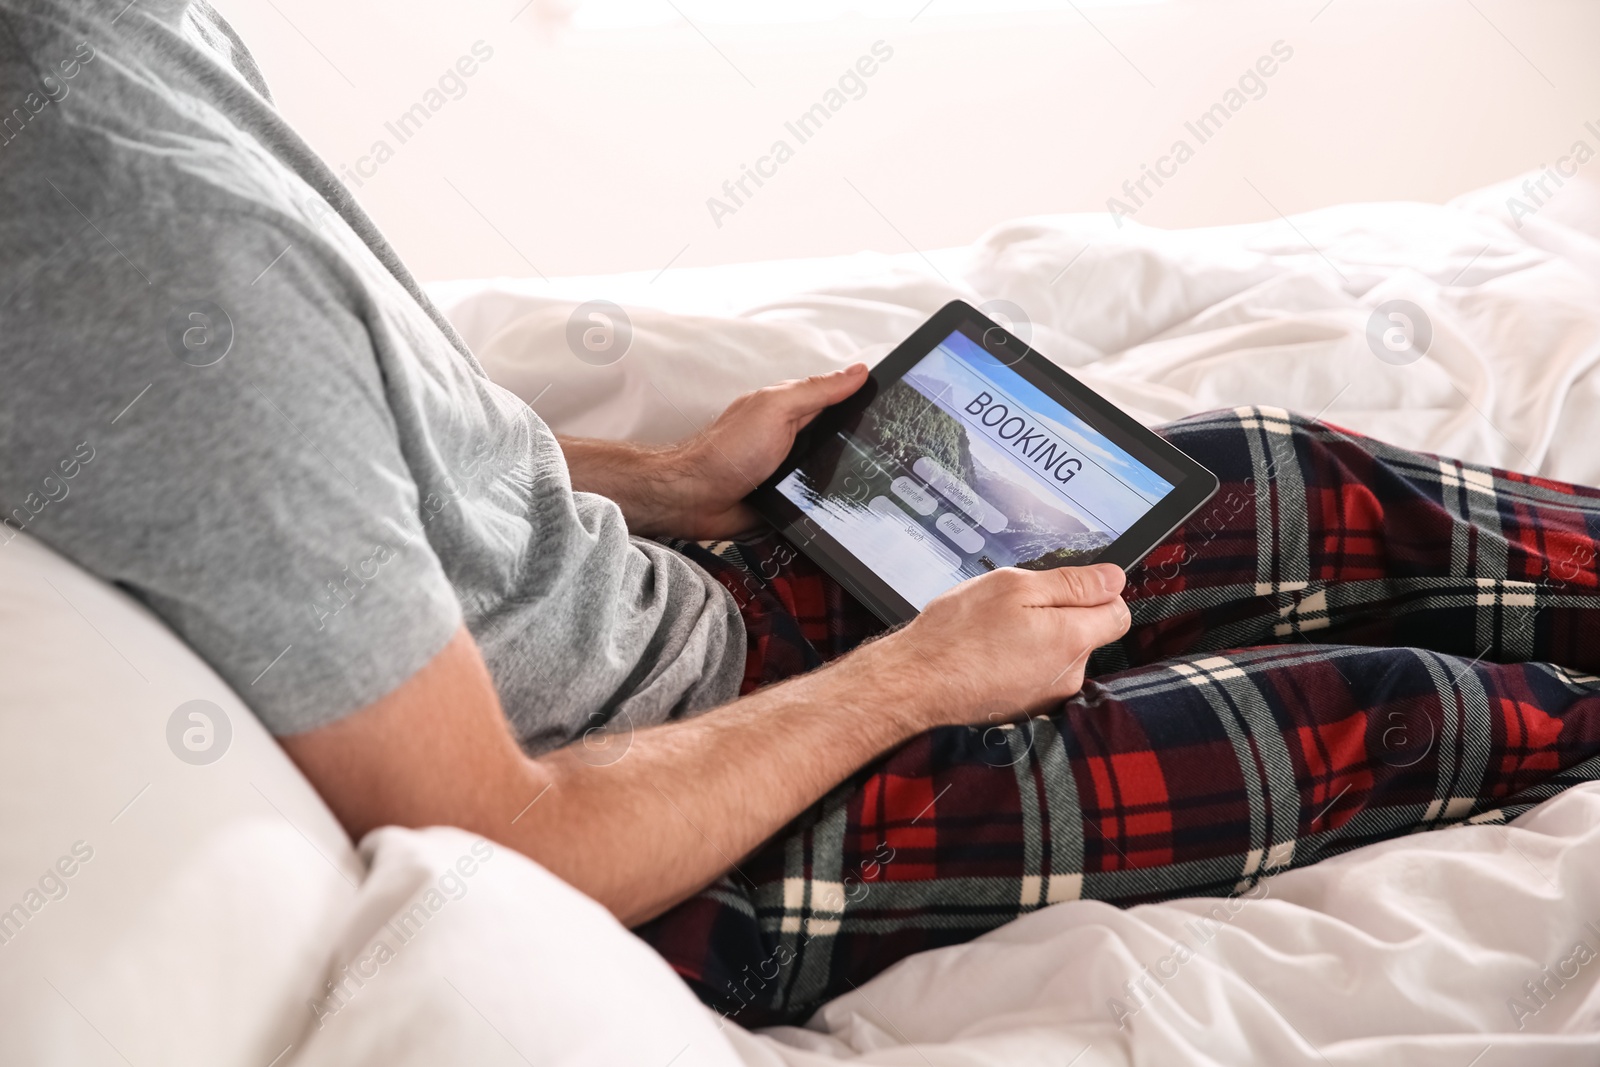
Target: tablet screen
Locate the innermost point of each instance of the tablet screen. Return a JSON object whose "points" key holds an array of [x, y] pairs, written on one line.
{"points": [[963, 465]]}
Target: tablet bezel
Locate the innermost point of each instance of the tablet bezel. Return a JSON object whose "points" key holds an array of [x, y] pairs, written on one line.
{"points": [[1193, 484]]}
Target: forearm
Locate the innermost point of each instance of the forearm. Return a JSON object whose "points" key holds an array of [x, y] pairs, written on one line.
{"points": [[643, 480], [689, 800]]}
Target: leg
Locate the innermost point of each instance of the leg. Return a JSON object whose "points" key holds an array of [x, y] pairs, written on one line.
{"points": [[1316, 531], [1193, 778], [1201, 775]]}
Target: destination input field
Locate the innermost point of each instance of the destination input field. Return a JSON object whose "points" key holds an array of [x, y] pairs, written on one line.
{"points": [[960, 494]]}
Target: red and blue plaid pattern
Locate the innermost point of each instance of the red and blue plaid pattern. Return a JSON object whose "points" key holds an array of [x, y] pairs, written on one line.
{"points": [[1351, 642]]}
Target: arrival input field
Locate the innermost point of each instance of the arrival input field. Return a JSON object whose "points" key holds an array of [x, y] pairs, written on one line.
{"points": [[965, 537]]}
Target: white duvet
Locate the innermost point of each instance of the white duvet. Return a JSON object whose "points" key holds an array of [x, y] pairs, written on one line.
{"points": [[1477, 946], [1167, 323], [1414, 952]]}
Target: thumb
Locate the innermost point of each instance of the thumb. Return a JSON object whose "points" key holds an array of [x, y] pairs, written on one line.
{"points": [[808, 396], [1089, 586]]}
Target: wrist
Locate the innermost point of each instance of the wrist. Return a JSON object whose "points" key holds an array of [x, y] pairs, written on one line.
{"points": [[892, 677], [643, 480], [655, 491]]}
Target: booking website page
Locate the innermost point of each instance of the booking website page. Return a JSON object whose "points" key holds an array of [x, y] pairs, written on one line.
{"points": [[963, 466]]}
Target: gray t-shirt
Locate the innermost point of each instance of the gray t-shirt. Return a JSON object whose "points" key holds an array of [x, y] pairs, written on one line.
{"points": [[221, 390]]}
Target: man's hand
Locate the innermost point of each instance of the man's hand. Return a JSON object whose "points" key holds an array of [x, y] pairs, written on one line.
{"points": [[1006, 643], [685, 801], [696, 488]]}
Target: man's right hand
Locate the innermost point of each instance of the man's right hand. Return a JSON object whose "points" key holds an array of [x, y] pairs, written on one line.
{"points": [[1004, 644]]}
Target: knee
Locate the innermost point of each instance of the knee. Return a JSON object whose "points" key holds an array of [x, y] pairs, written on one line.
{"points": [[1278, 423], [1248, 444], [1258, 417]]}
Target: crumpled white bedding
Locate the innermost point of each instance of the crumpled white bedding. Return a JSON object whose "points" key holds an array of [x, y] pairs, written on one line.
{"points": [[1168, 323], [1412, 952], [215, 913]]}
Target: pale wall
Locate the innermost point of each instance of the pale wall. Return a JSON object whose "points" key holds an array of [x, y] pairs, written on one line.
{"points": [[595, 151]]}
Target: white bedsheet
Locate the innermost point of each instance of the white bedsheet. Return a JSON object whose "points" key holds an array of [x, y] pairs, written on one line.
{"points": [[1168, 323], [1406, 953], [1413, 952]]}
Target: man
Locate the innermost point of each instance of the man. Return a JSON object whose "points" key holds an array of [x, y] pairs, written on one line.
{"points": [[277, 443]]}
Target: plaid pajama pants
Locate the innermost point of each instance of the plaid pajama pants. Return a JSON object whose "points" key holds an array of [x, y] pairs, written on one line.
{"points": [[1352, 641]]}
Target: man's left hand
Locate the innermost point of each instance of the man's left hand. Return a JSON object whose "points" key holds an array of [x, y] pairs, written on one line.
{"points": [[696, 488]]}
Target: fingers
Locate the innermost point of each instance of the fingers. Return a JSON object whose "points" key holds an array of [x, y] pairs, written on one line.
{"points": [[1069, 587], [1087, 628], [804, 398], [1102, 624]]}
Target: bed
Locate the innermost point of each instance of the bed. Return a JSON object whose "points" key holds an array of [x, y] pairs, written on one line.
{"points": [[216, 914], [1168, 323]]}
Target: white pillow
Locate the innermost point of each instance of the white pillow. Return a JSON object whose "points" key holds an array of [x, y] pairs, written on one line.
{"points": [[152, 909], [465, 952], [677, 373], [174, 892]]}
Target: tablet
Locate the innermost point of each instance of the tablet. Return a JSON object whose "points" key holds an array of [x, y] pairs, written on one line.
{"points": [[966, 451]]}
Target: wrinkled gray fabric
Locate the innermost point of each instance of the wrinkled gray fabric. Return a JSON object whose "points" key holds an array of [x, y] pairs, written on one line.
{"points": [[222, 391]]}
